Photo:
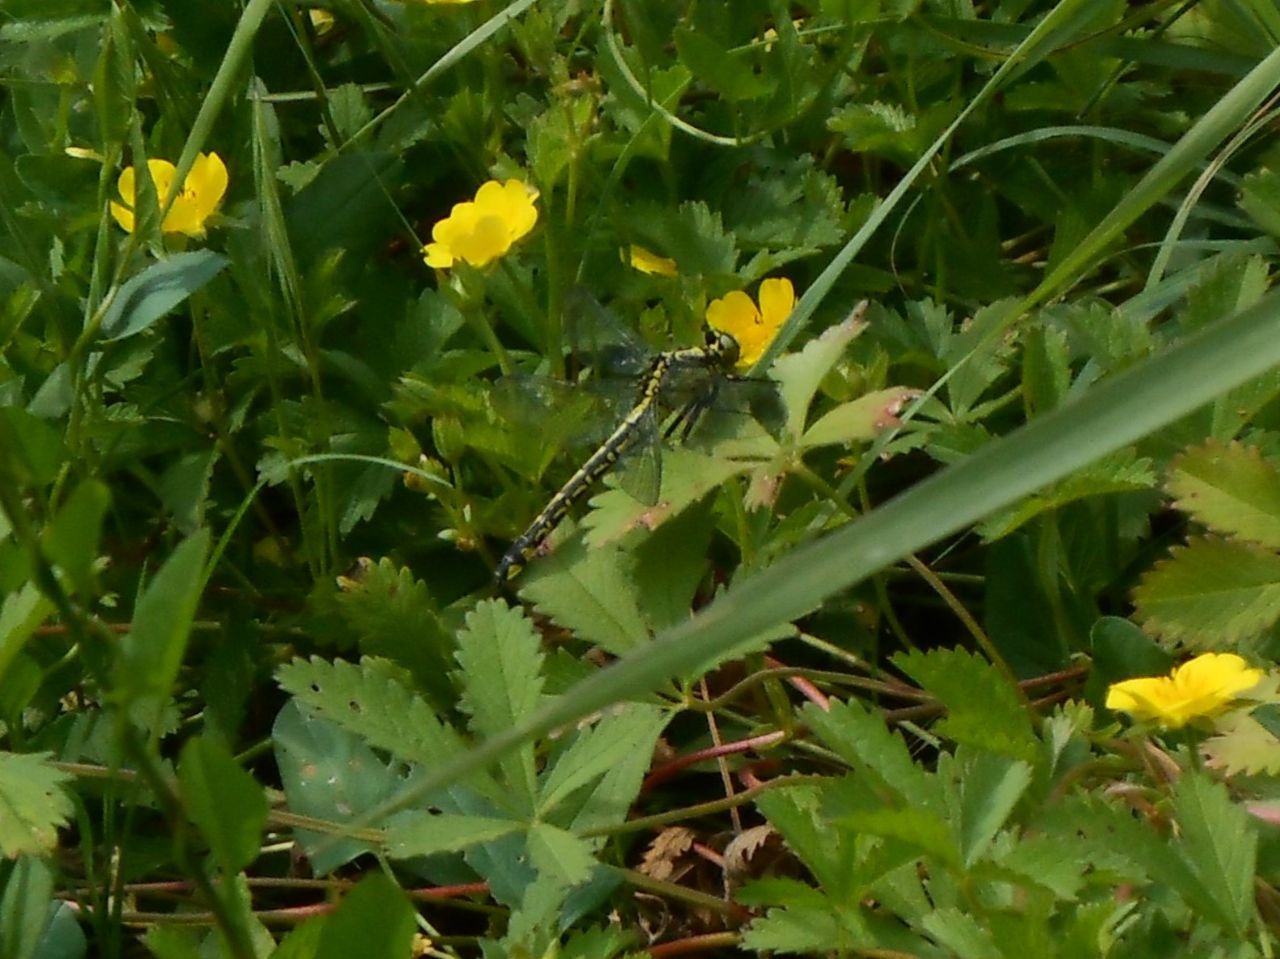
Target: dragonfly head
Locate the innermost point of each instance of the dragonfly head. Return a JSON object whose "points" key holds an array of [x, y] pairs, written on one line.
{"points": [[724, 347]]}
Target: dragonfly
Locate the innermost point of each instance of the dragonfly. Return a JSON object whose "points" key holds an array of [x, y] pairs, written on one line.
{"points": [[716, 357]]}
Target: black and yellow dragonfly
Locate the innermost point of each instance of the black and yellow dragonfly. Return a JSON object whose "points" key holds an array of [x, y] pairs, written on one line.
{"points": [[716, 357]]}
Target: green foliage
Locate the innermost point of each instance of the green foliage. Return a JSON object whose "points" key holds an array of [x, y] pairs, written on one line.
{"points": [[1033, 243]]}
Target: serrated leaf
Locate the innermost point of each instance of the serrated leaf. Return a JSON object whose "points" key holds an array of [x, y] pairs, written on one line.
{"points": [[1220, 846], [864, 741], [501, 658], [797, 929], [687, 476], [988, 787], [616, 741], [560, 856], [394, 615], [799, 375], [1243, 745], [32, 804], [1210, 594], [1121, 472], [224, 801], [591, 593], [1231, 489], [983, 708], [960, 934], [374, 706], [501, 679], [1053, 862], [728, 74], [1260, 198], [421, 833], [915, 827], [858, 421], [159, 288]]}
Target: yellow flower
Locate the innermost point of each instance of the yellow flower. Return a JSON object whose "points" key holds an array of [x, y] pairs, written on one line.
{"points": [[481, 230], [646, 261], [753, 327], [1198, 689], [199, 197]]}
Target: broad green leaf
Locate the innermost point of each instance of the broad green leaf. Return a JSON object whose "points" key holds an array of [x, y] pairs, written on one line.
{"points": [[71, 539], [809, 931], [32, 804], [420, 833], [983, 708], [149, 295], [798, 815], [860, 420], [916, 827], [1243, 745], [1231, 489], [224, 801], [152, 652], [24, 907], [597, 749], [1210, 594], [1053, 862], [560, 856], [1220, 846], [329, 774], [374, 919]]}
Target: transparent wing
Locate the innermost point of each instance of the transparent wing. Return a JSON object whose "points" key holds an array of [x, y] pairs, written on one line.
{"points": [[640, 467], [600, 340]]}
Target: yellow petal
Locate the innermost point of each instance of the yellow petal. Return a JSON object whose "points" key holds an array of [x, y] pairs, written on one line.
{"points": [[126, 186], [733, 313], [481, 230], [437, 255], [777, 300], [123, 215], [646, 261]]}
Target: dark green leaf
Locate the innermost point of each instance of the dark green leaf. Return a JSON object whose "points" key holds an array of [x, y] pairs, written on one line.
{"points": [[159, 288], [374, 919], [224, 801], [24, 906]]}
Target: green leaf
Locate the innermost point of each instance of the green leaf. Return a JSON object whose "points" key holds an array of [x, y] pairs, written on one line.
{"points": [[421, 833], [728, 74], [24, 907], [20, 614], [1121, 472], [987, 788], [71, 539], [799, 375], [1210, 593], [1243, 745], [960, 935], [860, 420], [501, 658], [864, 741], [152, 652], [374, 919], [368, 701], [149, 295], [560, 856], [596, 750], [1231, 489], [983, 708], [31, 450], [32, 804], [329, 774], [1220, 846], [589, 592], [394, 615], [1260, 198], [224, 801]]}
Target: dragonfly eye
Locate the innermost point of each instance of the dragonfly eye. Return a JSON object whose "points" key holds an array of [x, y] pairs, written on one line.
{"points": [[728, 348]]}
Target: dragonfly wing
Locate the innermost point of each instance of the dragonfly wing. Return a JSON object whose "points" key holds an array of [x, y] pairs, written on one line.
{"points": [[600, 338], [640, 474]]}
